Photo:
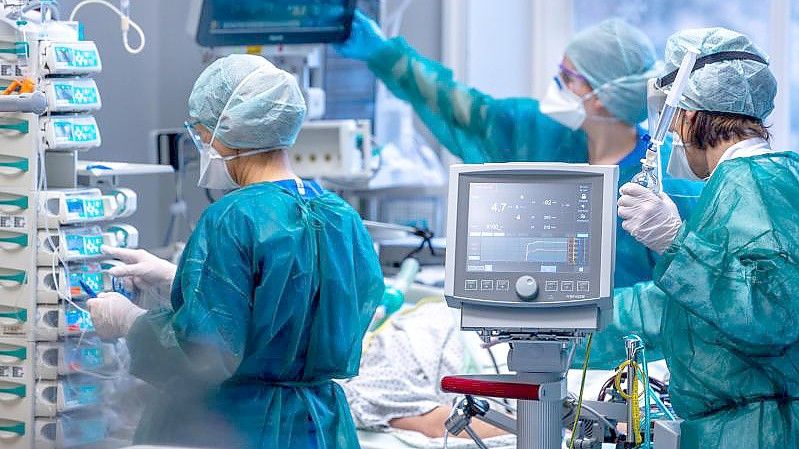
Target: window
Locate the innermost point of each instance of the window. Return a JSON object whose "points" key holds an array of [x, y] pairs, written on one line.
{"points": [[659, 19]]}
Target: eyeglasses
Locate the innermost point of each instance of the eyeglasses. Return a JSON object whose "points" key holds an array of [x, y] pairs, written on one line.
{"points": [[568, 75], [194, 135]]}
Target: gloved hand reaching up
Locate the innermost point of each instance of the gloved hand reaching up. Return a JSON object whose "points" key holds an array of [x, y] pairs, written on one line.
{"points": [[365, 39]]}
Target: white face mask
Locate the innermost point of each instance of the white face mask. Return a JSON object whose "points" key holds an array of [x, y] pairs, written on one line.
{"points": [[563, 105], [213, 170], [678, 161], [214, 173]]}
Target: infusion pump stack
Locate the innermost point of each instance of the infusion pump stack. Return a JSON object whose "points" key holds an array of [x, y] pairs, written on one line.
{"points": [[530, 262]]}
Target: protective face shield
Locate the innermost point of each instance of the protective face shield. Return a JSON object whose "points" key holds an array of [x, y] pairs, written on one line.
{"points": [[678, 162], [739, 81], [563, 105], [655, 100]]}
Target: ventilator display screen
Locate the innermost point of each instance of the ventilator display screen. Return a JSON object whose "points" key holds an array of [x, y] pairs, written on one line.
{"points": [[529, 227], [530, 247], [259, 22]]}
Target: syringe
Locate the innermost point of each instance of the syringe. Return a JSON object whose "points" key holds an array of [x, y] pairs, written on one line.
{"points": [[649, 176]]}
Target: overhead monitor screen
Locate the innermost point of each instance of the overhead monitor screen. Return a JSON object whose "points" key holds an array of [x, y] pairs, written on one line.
{"points": [[261, 22]]}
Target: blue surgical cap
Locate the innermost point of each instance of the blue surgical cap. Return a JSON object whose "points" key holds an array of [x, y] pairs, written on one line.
{"points": [[617, 59], [737, 86], [255, 104]]}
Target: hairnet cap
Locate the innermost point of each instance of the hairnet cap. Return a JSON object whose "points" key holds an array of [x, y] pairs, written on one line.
{"points": [[265, 107], [617, 59], [740, 86]]}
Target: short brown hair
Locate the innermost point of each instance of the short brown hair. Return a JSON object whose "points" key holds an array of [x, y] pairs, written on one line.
{"points": [[708, 129]]}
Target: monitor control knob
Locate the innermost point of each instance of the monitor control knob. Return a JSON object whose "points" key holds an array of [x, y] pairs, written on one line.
{"points": [[526, 288]]}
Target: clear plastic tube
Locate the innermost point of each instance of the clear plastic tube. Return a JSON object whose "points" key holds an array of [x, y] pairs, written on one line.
{"points": [[125, 21]]}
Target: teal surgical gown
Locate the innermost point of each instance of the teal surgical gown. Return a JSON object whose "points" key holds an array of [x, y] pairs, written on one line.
{"points": [[731, 316], [479, 128], [271, 300]]}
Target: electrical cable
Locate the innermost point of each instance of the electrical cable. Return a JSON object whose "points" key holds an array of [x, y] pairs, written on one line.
{"points": [[452, 412], [632, 394], [582, 390], [647, 388]]}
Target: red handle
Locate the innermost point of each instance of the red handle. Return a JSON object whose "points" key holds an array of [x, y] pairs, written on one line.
{"points": [[495, 389]]}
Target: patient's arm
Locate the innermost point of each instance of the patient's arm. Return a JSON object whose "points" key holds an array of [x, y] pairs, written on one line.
{"points": [[431, 424]]}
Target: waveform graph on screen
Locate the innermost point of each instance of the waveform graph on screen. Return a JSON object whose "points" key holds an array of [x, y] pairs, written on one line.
{"points": [[536, 250], [547, 250], [524, 249]]}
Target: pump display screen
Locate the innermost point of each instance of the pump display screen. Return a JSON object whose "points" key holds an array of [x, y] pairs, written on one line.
{"points": [[75, 57], [86, 207], [539, 228], [259, 22], [80, 357], [78, 394], [77, 320], [73, 131], [84, 245], [90, 274], [75, 95]]}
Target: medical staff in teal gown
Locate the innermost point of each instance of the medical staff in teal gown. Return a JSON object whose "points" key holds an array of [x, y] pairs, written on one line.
{"points": [[617, 60], [272, 295], [270, 305], [729, 277], [732, 315]]}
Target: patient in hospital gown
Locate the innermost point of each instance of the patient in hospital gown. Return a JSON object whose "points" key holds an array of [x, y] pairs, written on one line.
{"points": [[402, 364]]}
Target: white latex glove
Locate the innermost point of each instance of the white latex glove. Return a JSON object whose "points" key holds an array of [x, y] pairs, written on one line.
{"points": [[652, 219], [144, 270], [113, 314]]}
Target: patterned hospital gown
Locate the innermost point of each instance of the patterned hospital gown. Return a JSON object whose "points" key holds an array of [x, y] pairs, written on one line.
{"points": [[403, 363]]}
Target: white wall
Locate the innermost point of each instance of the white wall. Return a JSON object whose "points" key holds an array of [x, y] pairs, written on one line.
{"points": [[506, 49], [499, 46]]}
